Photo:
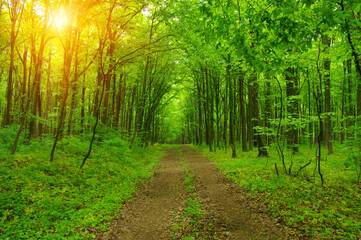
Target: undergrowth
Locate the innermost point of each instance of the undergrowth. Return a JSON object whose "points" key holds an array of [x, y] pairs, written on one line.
{"points": [[332, 211], [187, 226], [42, 200]]}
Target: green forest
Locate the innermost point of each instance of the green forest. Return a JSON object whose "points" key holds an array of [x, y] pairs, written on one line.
{"points": [[92, 93]]}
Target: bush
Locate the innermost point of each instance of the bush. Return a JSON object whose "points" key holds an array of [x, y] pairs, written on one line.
{"points": [[42, 200]]}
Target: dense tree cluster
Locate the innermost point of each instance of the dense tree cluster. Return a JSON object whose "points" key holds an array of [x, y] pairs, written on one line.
{"points": [[258, 73], [70, 66], [271, 72]]}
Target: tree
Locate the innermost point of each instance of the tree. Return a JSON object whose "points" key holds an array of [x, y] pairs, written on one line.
{"points": [[15, 8]]}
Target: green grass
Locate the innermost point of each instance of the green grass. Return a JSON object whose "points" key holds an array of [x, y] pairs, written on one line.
{"points": [[42, 200], [188, 226], [332, 211]]}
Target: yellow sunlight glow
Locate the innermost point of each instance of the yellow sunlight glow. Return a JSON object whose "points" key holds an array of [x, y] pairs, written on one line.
{"points": [[60, 20]]}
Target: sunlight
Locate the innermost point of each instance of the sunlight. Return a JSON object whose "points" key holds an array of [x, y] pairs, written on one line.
{"points": [[60, 20]]}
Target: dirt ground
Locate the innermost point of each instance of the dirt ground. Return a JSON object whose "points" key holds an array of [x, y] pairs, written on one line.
{"points": [[152, 212], [230, 212]]}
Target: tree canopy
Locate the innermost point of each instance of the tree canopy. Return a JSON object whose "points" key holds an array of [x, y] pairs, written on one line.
{"points": [[258, 73]]}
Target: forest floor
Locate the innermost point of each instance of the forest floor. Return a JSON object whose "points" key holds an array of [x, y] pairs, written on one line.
{"points": [[188, 198]]}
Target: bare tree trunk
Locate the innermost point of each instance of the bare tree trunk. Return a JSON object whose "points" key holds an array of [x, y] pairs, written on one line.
{"points": [[259, 137], [356, 60], [242, 112], [250, 114], [24, 101], [68, 56], [231, 108], [118, 100], [14, 11], [292, 107], [74, 86], [327, 80]]}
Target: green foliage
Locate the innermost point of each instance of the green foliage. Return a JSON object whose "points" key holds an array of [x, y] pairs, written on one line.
{"points": [[7, 136], [40, 200], [320, 212]]}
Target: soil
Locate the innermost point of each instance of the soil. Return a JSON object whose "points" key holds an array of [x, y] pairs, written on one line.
{"points": [[153, 210], [231, 214], [151, 213]]}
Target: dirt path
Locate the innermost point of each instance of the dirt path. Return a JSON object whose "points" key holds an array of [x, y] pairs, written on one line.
{"points": [[153, 211], [225, 207]]}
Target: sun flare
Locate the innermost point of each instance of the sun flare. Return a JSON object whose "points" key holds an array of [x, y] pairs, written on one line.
{"points": [[60, 21]]}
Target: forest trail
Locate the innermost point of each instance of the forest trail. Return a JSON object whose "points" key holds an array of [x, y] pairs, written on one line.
{"points": [[152, 212]]}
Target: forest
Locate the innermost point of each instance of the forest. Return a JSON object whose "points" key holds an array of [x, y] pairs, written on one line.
{"points": [[92, 92]]}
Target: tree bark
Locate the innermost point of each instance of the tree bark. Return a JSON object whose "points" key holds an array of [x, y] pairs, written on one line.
{"points": [[327, 80], [242, 111], [14, 13], [259, 137], [292, 108]]}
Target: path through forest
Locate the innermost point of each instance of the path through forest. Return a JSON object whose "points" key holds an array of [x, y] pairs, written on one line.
{"points": [[153, 210]]}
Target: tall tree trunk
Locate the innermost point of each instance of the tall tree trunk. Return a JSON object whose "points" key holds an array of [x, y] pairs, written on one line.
{"points": [[39, 59], [242, 111], [10, 87], [310, 125], [292, 107], [259, 137], [15, 12], [48, 92], [208, 111], [355, 55], [141, 104], [74, 86], [200, 121], [250, 114], [268, 109], [351, 108], [327, 80], [24, 101], [232, 140], [108, 79], [68, 56], [118, 100]]}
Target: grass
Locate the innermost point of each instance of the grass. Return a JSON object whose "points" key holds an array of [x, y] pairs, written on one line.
{"points": [[42, 200], [320, 212], [188, 222]]}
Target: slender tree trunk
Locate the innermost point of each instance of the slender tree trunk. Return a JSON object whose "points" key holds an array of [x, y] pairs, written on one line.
{"points": [[200, 119], [242, 111], [74, 87], [351, 108], [24, 101], [343, 102], [232, 141], [356, 61], [292, 107], [15, 12], [268, 110], [108, 79], [310, 125], [262, 150], [68, 56], [140, 110], [327, 80], [118, 100], [10, 87], [208, 111], [250, 114], [39, 59]]}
